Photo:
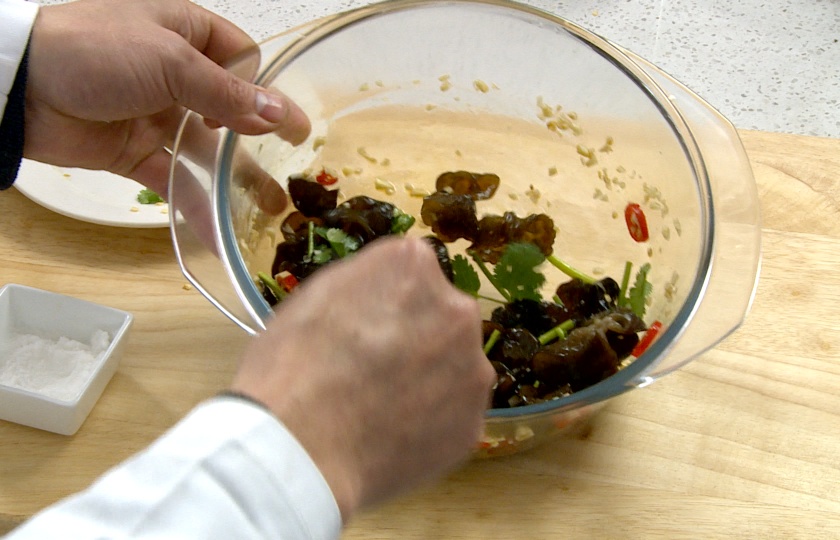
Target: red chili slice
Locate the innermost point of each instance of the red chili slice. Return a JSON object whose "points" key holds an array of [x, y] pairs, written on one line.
{"points": [[647, 339], [636, 221], [325, 179], [287, 281]]}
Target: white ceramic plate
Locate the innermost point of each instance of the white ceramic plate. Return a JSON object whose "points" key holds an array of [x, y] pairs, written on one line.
{"points": [[92, 196]]}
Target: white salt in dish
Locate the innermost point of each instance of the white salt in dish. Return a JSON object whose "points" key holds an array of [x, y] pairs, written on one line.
{"points": [[57, 354]]}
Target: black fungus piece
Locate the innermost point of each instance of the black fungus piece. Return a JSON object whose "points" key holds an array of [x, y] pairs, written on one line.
{"points": [[496, 232], [517, 347], [586, 356], [491, 239], [621, 328], [268, 296], [295, 227], [478, 186], [537, 229], [290, 257], [363, 217], [536, 317], [529, 394], [505, 388], [442, 254], [579, 361], [583, 300], [450, 216], [311, 198]]}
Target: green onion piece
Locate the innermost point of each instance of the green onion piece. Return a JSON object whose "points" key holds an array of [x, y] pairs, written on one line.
{"points": [[494, 337], [310, 232], [625, 282], [558, 332], [569, 271], [272, 285]]}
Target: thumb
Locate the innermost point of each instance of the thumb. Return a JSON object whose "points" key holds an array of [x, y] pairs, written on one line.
{"points": [[221, 97]]}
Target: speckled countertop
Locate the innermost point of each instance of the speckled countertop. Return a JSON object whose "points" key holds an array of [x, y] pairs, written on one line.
{"points": [[771, 65]]}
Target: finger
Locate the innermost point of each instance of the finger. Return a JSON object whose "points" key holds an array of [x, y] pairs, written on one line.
{"points": [[268, 193], [199, 84], [153, 171], [199, 143], [217, 38], [225, 96]]}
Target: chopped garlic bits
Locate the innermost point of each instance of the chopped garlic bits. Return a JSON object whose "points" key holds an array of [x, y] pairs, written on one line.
{"points": [[385, 186]]}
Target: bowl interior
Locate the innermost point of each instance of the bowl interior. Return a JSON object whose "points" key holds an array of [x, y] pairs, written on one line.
{"points": [[403, 91]]}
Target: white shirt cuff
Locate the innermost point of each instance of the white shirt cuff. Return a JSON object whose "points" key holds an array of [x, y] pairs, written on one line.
{"points": [[227, 470], [16, 20]]}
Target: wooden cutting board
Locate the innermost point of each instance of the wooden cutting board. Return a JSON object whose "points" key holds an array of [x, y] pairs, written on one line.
{"points": [[741, 443]]}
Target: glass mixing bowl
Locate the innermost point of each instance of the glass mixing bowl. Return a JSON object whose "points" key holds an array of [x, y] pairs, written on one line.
{"points": [[575, 126]]}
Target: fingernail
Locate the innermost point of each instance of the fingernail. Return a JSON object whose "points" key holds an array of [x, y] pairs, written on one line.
{"points": [[271, 107]]}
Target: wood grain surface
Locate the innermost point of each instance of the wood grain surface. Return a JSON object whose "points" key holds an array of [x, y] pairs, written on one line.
{"points": [[744, 442]]}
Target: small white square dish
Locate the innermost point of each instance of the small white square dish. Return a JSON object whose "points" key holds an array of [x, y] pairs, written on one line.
{"points": [[57, 354]]}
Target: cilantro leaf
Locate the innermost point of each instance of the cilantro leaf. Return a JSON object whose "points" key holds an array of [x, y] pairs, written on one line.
{"points": [[321, 256], [640, 291], [147, 196], [401, 222], [515, 272], [466, 278], [340, 242]]}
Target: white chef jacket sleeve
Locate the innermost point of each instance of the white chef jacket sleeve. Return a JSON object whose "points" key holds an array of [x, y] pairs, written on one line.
{"points": [[229, 470], [16, 19]]}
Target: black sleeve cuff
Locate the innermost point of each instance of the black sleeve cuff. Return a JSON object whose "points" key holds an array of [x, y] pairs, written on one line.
{"points": [[11, 127]]}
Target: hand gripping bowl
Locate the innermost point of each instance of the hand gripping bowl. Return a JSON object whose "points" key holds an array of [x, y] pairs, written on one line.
{"points": [[575, 126]]}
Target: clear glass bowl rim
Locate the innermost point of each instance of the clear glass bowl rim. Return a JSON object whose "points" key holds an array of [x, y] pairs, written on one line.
{"points": [[631, 376]]}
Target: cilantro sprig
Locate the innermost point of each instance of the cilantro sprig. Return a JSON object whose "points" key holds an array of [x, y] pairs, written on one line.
{"points": [[495, 335], [517, 277], [559, 332], [636, 296], [570, 271], [516, 272], [514, 276], [465, 276], [325, 244], [341, 243], [401, 222], [147, 196], [640, 291]]}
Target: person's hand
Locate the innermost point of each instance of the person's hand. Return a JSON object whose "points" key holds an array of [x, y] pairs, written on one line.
{"points": [[375, 364], [109, 81]]}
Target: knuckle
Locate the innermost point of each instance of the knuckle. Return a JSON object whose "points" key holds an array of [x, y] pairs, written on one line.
{"points": [[239, 94]]}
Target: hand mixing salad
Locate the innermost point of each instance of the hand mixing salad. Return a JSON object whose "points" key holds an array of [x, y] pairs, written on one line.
{"points": [[541, 349]]}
